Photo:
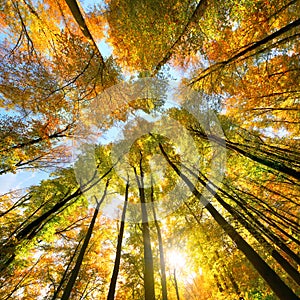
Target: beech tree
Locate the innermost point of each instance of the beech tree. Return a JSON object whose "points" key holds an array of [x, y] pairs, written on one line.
{"points": [[133, 207]]}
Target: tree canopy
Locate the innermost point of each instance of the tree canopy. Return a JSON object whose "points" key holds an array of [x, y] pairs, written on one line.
{"points": [[169, 132]]}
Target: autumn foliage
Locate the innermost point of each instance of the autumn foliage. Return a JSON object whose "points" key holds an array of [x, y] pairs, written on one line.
{"points": [[91, 230]]}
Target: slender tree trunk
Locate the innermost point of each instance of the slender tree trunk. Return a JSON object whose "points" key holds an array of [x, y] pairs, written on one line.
{"points": [[63, 278], [267, 273], [55, 135], [74, 7], [113, 281], [278, 166], [36, 223], [21, 163], [148, 257], [17, 286], [161, 250], [32, 228], [176, 284], [75, 271], [19, 202], [246, 50], [19, 228], [290, 223], [197, 14], [220, 288], [223, 280], [256, 234]]}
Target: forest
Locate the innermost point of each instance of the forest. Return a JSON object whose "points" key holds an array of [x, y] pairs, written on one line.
{"points": [[149, 149]]}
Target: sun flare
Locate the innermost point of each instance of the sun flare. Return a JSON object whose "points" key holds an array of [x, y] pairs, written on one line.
{"points": [[176, 259]]}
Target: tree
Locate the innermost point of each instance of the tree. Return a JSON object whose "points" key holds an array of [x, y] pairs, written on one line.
{"points": [[49, 211], [75, 271], [265, 271], [161, 249], [236, 235], [148, 258], [114, 277], [161, 22]]}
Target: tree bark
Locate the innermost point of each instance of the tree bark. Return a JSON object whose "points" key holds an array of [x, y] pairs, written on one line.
{"points": [[33, 228], [255, 233], [247, 49], [148, 257], [113, 281], [278, 166], [176, 285], [74, 7], [75, 271], [267, 273], [63, 278], [161, 250]]}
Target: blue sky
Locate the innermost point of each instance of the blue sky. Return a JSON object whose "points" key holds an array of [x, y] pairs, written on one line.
{"points": [[20, 180]]}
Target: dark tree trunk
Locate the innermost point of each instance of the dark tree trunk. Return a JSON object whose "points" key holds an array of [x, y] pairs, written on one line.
{"points": [[73, 6], [75, 271], [63, 278], [246, 50], [267, 273], [113, 281], [35, 226], [176, 285], [278, 166], [220, 288], [256, 234], [148, 257], [56, 135], [161, 251]]}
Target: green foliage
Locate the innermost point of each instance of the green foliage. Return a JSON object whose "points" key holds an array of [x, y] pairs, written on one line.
{"points": [[243, 59]]}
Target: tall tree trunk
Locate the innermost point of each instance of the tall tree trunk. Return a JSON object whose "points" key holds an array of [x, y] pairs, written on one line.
{"points": [[36, 223], [288, 217], [267, 273], [32, 228], [35, 226], [63, 278], [75, 271], [278, 166], [161, 250], [148, 257], [176, 285], [246, 50], [113, 281], [256, 234], [75, 9]]}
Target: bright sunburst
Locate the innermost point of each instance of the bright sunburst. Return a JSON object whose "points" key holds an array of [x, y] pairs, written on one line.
{"points": [[176, 259]]}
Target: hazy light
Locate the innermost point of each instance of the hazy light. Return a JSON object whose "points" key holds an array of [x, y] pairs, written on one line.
{"points": [[176, 259]]}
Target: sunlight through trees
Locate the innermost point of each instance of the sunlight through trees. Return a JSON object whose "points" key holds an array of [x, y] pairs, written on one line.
{"points": [[165, 168]]}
